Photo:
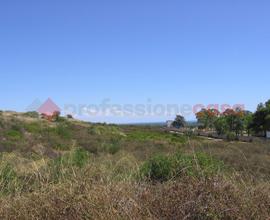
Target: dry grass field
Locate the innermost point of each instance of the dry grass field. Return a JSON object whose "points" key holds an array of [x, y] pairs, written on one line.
{"points": [[77, 170]]}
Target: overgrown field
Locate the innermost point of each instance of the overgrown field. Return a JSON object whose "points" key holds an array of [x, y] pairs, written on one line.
{"points": [[77, 170]]}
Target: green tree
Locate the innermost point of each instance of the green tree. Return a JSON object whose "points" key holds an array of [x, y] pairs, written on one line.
{"points": [[235, 120], [207, 117], [248, 117], [179, 122], [261, 119], [221, 125]]}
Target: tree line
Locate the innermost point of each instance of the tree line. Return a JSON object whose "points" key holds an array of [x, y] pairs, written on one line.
{"points": [[235, 122]]}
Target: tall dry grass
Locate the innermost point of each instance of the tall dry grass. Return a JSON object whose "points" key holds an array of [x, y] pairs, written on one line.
{"points": [[105, 187], [110, 172]]}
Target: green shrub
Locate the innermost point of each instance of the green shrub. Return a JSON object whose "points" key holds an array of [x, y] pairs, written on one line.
{"points": [[14, 135], [69, 116], [93, 130], [158, 168], [162, 168], [63, 131], [61, 119], [176, 138], [112, 146], [58, 137], [230, 136], [77, 157], [198, 164], [33, 127], [99, 129], [32, 114], [149, 135]]}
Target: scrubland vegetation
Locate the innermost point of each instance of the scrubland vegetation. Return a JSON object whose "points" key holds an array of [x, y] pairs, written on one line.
{"points": [[68, 169]]}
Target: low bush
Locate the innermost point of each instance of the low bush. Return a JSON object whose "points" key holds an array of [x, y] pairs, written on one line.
{"points": [[162, 167], [34, 127], [200, 164], [108, 130], [230, 136], [69, 116], [61, 119], [63, 131], [79, 157], [32, 114], [14, 135], [112, 146], [158, 168], [93, 130]]}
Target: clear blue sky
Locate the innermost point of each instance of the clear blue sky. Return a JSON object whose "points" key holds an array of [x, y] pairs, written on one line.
{"points": [[174, 51]]}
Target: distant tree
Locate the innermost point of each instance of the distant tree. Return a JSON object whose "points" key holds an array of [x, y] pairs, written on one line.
{"points": [[260, 106], [261, 119], [235, 120], [267, 104], [267, 122], [179, 122], [221, 125], [207, 117], [239, 126], [248, 117], [69, 116]]}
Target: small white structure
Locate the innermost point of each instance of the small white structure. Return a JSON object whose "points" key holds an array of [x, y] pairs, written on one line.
{"points": [[169, 124], [268, 134]]}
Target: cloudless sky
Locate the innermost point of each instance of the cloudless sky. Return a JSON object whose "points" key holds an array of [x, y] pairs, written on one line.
{"points": [[169, 51]]}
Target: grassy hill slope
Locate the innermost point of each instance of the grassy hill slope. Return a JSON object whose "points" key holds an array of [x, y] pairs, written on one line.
{"points": [[71, 169]]}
